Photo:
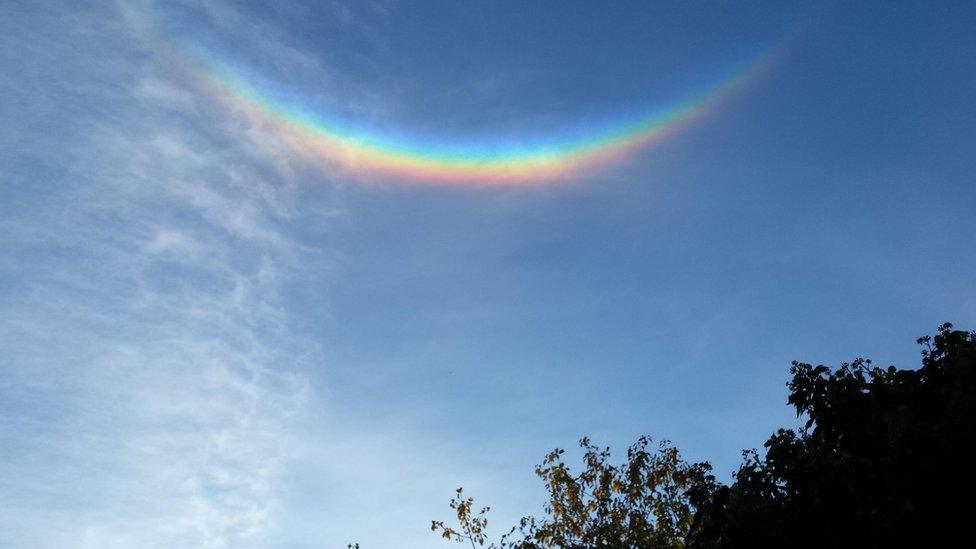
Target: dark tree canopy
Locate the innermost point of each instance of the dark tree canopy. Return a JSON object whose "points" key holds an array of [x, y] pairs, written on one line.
{"points": [[885, 459]]}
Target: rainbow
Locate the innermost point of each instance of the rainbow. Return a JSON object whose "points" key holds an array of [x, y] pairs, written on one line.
{"points": [[369, 155]]}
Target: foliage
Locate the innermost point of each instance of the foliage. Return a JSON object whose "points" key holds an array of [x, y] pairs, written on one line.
{"points": [[471, 527], [884, 459], [641, 503]]}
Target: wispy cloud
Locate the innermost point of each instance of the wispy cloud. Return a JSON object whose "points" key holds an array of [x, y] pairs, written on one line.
{"points": [[151, 381]]}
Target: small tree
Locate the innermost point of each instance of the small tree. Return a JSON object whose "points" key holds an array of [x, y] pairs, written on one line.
{"points": [[642, 503], [471, 527]]}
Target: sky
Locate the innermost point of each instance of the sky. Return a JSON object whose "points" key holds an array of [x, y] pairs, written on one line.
{"points": [[286, 274]]}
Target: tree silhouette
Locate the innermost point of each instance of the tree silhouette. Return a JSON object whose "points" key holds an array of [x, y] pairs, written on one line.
{"points": [[885, 459]]}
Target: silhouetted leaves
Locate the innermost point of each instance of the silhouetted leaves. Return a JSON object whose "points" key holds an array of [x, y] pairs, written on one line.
{"points": [[884, 459]]}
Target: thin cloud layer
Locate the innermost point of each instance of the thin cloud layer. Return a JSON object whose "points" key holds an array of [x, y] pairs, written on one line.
{"points": [[152, 384]]}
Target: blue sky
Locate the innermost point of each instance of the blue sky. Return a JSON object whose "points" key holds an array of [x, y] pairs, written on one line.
{"points": [[210, 342]]}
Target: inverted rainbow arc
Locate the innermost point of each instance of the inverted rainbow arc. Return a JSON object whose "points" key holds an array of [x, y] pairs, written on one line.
{"points": [[385, 158]]}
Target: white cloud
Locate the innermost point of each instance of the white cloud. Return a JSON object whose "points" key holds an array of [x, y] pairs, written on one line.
{"points": [[153, 384]]}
